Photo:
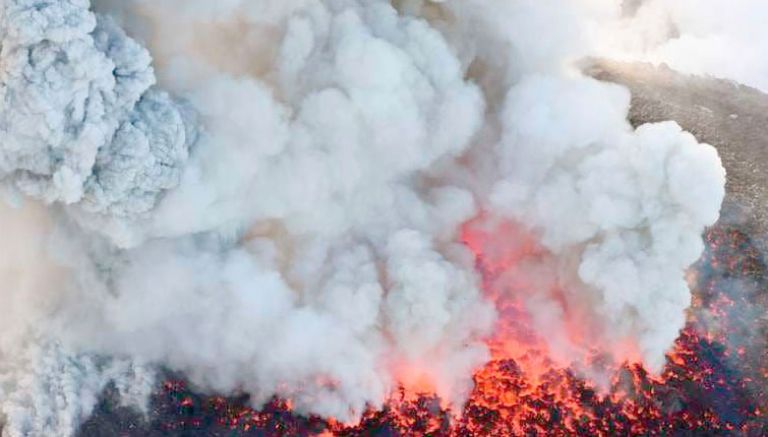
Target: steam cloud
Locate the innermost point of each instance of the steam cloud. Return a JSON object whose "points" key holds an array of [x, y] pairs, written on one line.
{"points": [[282, 213]]}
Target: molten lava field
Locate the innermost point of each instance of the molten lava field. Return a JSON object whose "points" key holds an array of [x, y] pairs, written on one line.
{"points": [[713, 384]]}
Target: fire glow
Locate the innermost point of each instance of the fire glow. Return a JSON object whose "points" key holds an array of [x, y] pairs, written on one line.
{"points": [[710, 384]]}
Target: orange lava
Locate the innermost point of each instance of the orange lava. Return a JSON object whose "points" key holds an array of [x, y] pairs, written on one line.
{"points": [[715, 382]]}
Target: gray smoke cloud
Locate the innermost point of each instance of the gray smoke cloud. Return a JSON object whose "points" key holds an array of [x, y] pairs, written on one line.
{"points": [[81, 123], [281, 213]]}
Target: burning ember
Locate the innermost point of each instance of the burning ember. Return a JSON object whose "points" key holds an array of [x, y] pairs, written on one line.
{"points": [[713, 384]]}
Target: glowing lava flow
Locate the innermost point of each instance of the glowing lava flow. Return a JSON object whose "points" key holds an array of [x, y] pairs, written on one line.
{"points": [[715, 382]]}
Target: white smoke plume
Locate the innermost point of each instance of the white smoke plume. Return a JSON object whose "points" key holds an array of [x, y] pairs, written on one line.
{"points": [[720, 38], [281, 213]]}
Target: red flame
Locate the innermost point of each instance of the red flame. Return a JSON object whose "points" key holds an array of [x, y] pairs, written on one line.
{"points": [[511, 261]]}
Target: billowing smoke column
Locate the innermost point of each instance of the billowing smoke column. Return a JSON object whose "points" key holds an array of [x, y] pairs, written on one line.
{"points": [[284, 219]]}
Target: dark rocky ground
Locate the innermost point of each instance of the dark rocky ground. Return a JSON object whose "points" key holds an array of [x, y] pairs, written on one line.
{"points": [[732, 118]]}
